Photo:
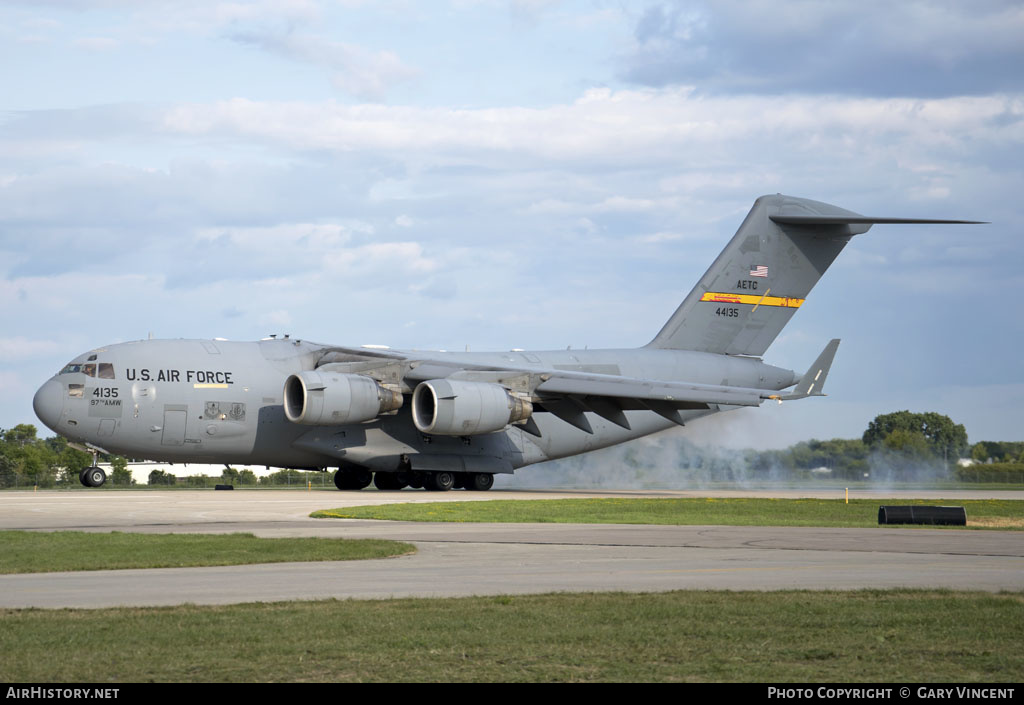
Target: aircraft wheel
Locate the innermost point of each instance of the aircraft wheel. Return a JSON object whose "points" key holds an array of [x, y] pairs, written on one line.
{"points": [[387, 481], [462, 480], [352, 479], [480, 481], [440, 481], [417, 480], [95, 476], [83, 478]]}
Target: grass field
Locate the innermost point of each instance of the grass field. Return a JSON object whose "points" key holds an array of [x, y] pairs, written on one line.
{"points": [[45, 552], [777, 637], [868, 636], [995, 514]]}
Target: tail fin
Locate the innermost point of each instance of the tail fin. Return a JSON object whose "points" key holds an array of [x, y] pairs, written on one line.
{"points": [[763, 275]]}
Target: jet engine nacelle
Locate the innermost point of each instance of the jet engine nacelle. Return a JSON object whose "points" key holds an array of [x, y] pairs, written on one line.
{"points": [[450, 407], [317, 398]]}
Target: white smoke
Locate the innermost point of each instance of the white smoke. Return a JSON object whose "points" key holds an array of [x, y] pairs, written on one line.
{"points": [[668, 460], [672, 460]]}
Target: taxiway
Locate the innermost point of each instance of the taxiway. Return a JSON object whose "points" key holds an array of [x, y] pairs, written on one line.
{"points": [[476, 559]]}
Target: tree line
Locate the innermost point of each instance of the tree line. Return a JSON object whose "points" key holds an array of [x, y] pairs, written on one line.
{"points": [[29, 461], [900, 446]]}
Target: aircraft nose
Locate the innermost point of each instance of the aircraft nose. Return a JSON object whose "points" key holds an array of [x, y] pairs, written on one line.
{"points": [[49, 403]]}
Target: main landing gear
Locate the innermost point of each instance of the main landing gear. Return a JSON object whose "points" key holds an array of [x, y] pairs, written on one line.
{"points": [[360, 478], [92, 477], [352, 479]]}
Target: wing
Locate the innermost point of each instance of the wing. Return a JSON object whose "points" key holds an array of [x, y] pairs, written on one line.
{"points": [[566, 394]]}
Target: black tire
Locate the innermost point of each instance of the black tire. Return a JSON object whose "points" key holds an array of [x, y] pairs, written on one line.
{"points": [[82, 477], [462, 480], [480, 481], [341, 480], [387, 481], [352, 479], [95, 476], [440, 481]]}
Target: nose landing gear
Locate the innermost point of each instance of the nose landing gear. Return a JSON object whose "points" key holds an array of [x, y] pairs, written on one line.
{"points": [[94, 476]]}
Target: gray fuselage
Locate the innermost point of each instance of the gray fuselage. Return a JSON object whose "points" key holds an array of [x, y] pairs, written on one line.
{"points": [[221, 402]]}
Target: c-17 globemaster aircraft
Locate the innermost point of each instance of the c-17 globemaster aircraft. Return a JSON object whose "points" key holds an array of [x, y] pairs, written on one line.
{"points": [[439, 420]]}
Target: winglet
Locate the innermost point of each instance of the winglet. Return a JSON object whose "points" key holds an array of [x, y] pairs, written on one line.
{"points": [[813, 380]]}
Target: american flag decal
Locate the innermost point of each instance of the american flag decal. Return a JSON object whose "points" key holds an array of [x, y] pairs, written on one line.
{"points": [[759, 271]]}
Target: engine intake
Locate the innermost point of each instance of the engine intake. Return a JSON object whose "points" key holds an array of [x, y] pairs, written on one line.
{"points": [[450, 407], [316, 398]]}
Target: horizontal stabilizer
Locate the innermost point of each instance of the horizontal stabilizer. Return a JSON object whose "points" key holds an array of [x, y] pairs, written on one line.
{"points": [[813, 381], [810, 220]]}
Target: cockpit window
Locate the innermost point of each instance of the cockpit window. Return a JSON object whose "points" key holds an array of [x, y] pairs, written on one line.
{"points": [[103, 370]]}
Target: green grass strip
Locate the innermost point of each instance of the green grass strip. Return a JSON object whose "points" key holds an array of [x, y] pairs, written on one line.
{"points": [[994, 514], [793, 636], [44, 552]]}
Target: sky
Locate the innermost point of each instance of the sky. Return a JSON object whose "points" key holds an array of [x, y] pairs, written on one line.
{"points": [[496, 174]]}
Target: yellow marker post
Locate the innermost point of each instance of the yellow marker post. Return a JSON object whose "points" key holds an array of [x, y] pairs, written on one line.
{"points": [[847, 495]]}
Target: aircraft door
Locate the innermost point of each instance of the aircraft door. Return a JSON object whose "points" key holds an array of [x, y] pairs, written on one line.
{"points": [[174, 425]]}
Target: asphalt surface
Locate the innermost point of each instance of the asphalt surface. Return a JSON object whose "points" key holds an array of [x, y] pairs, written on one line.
{"points": [[478, 559]]}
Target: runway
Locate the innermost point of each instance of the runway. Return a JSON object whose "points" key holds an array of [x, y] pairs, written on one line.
{"points": [[479, 559]]}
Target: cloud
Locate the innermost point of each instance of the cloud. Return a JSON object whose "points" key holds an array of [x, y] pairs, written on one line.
{"points": [[354, 69], [210, 18], [97, 43], [530, 11], [20, 348], [624, 127], [314, 238], [612, 204], [367, 261], [924, 49]]}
